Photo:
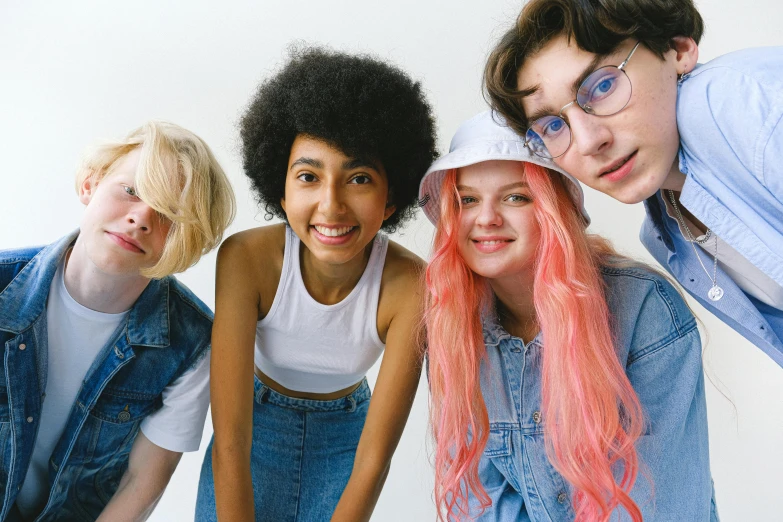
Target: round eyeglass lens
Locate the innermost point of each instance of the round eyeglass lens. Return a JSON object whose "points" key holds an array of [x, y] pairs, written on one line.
{"points": [[606, 91], [548, 137]]}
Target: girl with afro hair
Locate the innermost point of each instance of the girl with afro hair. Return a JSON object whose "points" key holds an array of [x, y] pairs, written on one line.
{"points": [[335, 145]]}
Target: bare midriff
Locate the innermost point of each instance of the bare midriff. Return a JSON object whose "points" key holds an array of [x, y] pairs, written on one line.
{"points": [[272, 384]]}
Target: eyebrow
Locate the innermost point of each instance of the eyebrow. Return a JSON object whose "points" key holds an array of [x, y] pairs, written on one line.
{"points": [[307, 161], [358, 163], [350, 164], [587, 71], [516, 184]]}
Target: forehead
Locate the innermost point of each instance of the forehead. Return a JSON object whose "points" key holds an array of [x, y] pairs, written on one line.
{"points": [[488, 175], [551, 72]]}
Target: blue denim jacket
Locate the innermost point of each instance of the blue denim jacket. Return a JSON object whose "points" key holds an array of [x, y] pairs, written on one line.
{"points": [[730, 120], [167, 331], [659, 344]]}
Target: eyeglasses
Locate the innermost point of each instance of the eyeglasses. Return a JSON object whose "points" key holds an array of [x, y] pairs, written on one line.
{"points": [[605, 92]]}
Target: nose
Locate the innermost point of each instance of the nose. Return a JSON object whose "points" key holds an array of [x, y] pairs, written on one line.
{"points": [[331, 202], [590, 134], [488, 215], [141, 216]]}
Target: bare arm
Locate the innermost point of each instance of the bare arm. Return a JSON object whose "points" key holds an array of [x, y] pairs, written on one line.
{"points": [[231, 381], [390, 405], [149, 470]]}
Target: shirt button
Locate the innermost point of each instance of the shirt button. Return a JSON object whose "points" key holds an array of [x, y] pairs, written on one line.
{"points": [[562, 497], [29, 419], [22, 346], [118, 353], [537, 417]]}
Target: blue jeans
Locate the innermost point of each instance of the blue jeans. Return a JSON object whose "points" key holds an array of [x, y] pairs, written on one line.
{"points": [[301, 458]]}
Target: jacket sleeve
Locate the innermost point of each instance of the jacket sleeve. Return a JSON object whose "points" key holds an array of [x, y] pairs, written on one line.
{"points": [[674, 482]]}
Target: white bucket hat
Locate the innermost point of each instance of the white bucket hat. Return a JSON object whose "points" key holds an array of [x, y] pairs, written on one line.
{"points": [[485, 137]]}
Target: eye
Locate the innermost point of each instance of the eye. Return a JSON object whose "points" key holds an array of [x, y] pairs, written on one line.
{"points": [[601, 87], [130, 191], [307, 177], [548, 127], [467, 200], [517, 198], [360, 179]]}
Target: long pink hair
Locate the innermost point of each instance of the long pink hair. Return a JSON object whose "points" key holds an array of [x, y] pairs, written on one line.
{"points": [[593, 416]]}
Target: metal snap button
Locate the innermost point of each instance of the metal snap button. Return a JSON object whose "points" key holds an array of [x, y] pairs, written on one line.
{"points": [[562, 497], [29, 419], [22, 346], [537, 417], [124, 415], [118, 353]]}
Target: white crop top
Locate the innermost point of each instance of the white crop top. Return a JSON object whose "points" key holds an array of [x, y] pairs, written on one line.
{"points": [[311, 347]]}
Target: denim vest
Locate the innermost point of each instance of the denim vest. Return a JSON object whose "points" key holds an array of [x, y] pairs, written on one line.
{"points": [[730, 120], [659, 346], [166, 332]]}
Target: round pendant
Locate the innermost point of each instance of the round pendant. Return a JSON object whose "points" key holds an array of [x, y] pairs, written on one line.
{"points": [[715, 293]]}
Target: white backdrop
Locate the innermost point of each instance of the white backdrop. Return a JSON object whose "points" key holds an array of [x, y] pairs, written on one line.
{"points": [[73, 72]]}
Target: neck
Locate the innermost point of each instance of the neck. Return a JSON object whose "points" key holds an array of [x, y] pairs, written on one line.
{"points": [[328, 283], [515, 307], [675, 179], [97, 290]]}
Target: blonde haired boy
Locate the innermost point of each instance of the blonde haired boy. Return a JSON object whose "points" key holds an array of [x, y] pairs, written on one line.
{"points": [[104, 378]]}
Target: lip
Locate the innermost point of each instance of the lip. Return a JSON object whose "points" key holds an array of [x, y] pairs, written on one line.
{"points": [[490, 248], [126, 242], [333, 240], [616, 175]]}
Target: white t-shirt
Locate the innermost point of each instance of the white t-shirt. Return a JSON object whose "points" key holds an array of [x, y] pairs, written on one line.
{"points": [[745, 274], [76, 335]]}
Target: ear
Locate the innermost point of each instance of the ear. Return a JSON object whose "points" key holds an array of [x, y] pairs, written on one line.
{"points": [[282, 203], [686, 53], [87, 189], [388, 211]]}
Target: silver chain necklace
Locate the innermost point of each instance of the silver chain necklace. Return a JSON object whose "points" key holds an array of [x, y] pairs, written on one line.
{"points": [[716, 292]]}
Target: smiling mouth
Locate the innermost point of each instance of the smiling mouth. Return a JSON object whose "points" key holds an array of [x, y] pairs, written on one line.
{"points": [[333, 232], [617, 166], [492, 242]]}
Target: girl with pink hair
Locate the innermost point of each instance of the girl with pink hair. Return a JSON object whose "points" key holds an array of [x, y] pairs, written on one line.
{"points": [[566, 381]]}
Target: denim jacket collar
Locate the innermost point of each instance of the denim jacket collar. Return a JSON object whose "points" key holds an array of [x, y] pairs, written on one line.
{"points": [[23, 300], [494, 333]]}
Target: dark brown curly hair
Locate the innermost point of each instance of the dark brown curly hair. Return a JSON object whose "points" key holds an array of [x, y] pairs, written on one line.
{"points": [[365, 107]]}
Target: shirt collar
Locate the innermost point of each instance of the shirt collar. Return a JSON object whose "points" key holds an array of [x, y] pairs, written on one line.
{"points": [[494, 333]]}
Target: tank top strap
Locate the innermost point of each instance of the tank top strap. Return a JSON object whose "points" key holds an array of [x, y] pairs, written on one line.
{"points": [[287, 274]]}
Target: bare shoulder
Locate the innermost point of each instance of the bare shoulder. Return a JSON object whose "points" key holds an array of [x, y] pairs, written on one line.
{"points": [[258, 242], [401, 286], [403, 269], [254, 256]]}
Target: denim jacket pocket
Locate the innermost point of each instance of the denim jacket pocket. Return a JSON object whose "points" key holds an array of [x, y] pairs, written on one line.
{"points": [[112, 424], [498, 444]]}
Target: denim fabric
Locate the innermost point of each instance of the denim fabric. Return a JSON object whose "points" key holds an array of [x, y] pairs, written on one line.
{"points": [[659, 345], [301, 458], [166, 332], [730, 120]]}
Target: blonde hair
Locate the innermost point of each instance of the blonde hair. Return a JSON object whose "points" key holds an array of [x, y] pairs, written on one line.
{"points": [[197, 198]]}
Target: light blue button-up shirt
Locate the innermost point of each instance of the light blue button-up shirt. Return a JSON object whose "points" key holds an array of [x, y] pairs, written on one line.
{"points": [[730, 120]]}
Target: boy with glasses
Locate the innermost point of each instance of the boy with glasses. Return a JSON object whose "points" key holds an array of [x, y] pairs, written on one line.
{"points": [[104, 379], [612, 92]]}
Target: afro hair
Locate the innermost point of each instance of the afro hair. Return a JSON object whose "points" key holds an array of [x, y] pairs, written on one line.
{"points": [[359, 104]]}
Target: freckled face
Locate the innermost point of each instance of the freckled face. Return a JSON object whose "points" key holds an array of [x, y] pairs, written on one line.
{"points": [[627, 155], [119, 232], [334, 203], [499, 233]]}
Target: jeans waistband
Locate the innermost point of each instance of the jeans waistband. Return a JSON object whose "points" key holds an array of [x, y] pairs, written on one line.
{"points": [[264, 393]]}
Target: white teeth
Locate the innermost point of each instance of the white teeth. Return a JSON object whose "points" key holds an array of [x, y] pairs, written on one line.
{"points": [[491, 242], [333, 232]]}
